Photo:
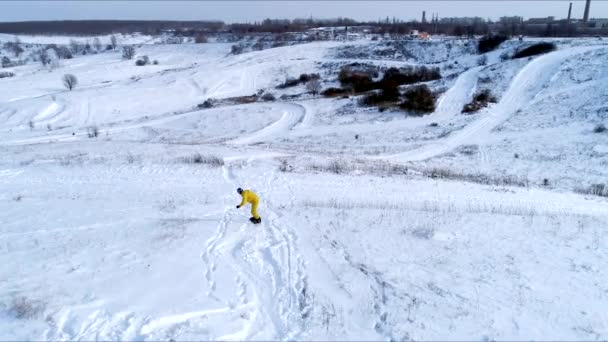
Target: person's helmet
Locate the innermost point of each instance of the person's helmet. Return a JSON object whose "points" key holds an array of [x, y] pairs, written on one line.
{"points": [[239, 190]]}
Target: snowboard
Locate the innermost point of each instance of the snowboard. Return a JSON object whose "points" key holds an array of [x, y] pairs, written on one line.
{"points": [[254, 221]]}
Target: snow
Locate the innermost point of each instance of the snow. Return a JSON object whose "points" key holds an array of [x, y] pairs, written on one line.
{"points": [[124, 236]]}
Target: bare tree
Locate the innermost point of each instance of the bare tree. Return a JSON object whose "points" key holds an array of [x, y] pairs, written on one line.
{"points": [[113, 42], [97, 44], [200, 38], [128, 52], [70, 81], [313, 86], [43, 57], [75, 46], [14, 47]]}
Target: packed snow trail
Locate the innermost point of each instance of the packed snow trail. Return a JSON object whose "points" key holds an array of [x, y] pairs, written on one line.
{"points": [[524, 87], [292, 115], [457, 96]]}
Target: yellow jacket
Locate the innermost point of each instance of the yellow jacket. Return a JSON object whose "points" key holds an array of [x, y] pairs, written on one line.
{"points": [[249, 197]]}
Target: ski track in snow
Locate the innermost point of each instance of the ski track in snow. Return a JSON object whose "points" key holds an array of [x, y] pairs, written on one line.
{"points": [[292, 115], [269, 265]]}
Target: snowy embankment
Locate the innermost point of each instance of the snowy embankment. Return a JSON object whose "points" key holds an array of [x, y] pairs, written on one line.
{"points": [[134, 235]]}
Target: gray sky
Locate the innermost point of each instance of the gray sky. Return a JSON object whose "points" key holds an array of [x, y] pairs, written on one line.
{"points": [[231, 11]]}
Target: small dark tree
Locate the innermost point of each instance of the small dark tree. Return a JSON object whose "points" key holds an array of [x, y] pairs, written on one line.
{"points": [[236, 49], [200, 39], [70, 81], [143, 60], [6, 62], [128, 52]]}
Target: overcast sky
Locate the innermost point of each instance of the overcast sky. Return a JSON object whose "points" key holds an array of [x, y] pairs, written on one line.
{"points": [[238, 11]]}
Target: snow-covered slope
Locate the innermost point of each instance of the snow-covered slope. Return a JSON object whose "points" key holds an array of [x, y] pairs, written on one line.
{"points": [[133, 234]]}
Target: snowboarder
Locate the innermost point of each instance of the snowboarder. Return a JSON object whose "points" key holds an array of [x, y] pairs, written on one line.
{"points": [[250, 197]]}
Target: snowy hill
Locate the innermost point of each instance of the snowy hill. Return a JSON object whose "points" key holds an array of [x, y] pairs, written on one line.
{"points": [[117, 201]]}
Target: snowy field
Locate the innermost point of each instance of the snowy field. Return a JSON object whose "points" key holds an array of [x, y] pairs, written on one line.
{"points": [[375, 225]]}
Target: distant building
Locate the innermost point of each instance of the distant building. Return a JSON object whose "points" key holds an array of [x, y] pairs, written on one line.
{"points": [[511, 20], [541, 21], [461, 21]]}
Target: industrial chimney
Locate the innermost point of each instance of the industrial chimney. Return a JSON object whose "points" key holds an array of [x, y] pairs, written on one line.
{"points": [[586, 16], [424, 16], [569, 12]]}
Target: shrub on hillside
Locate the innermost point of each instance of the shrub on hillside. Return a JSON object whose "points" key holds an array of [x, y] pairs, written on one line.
{"points": [[210, 160], [389, 92], [480, 100], [200, 39], [490, 42], [410, 75], [334, 92], [5, 74], [292, 82], [6, 62], [69, 81], [128, 52], [356, 79], [535, 49], [419, 100], [313, 87], [268, 97], [600, 128], [237, 49], [143, 60]]}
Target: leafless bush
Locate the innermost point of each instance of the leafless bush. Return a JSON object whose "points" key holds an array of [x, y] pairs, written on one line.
{"points": [[600, 128], [14, 47], [268, 97], [419, 100], [237, 49], [97, 44], [476, 177], [31, 124], [130, 158], [483, 60], [6, 62], [93, 131], [5, 74], [128, 52], [313, 86], [335, 92], [599, 189], [69, 81], [25, 308], [480, 100], [210, 160], [200, 39], [18, 198], [285, 167], [113, 42]]}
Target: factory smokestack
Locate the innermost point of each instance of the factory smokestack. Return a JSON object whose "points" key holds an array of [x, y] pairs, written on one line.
{"points": [[423, 17], [586, 16], [569, 12]]}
